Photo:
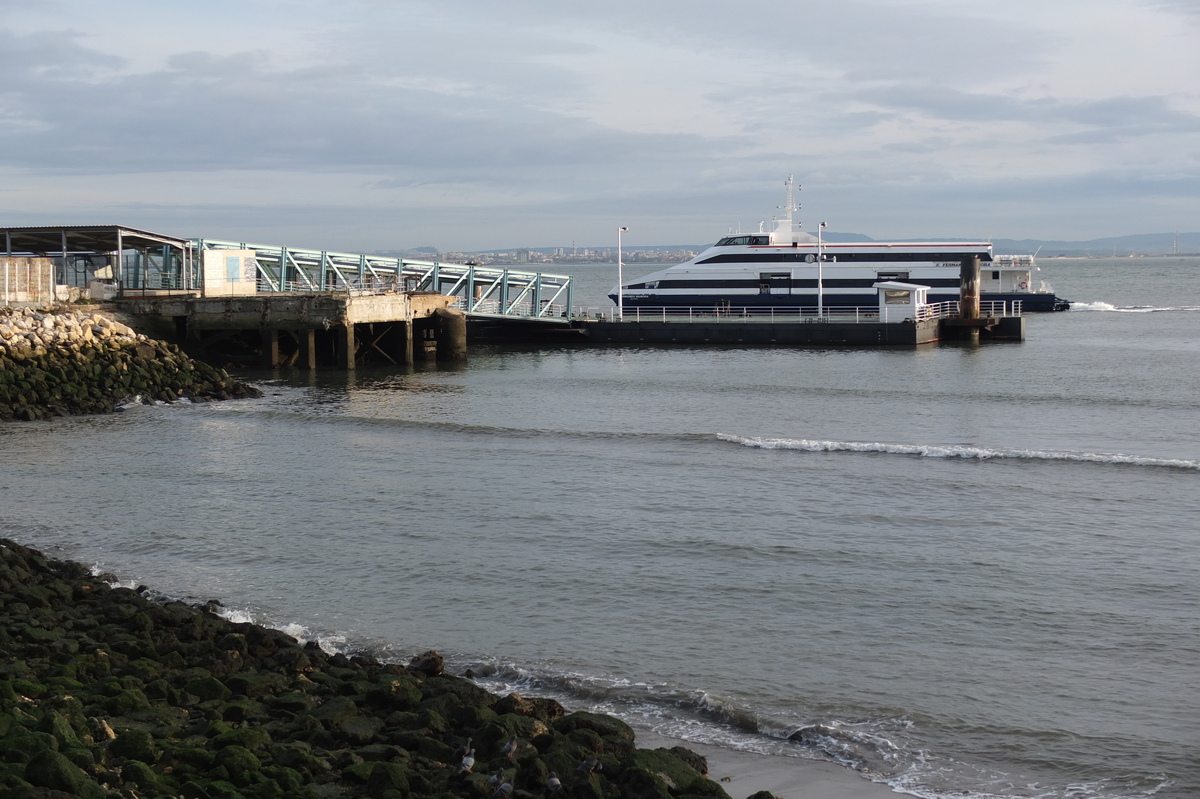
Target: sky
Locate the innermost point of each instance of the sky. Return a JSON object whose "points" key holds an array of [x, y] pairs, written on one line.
{"points": [[465, 125]]}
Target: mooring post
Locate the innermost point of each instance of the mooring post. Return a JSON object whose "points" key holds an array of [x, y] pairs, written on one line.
{"points": [[968, 303]]}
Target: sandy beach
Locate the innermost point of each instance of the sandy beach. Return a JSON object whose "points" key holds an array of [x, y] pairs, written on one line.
{"points": [[745, 773]]}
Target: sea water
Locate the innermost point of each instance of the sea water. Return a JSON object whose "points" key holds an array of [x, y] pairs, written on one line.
{"points": [[951, 568]]}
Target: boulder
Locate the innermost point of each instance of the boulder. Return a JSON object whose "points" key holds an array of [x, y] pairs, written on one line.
{"points": [[429, 663], [49, 769], [135, 745]]}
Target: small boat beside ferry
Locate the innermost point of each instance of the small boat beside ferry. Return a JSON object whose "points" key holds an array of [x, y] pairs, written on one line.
{"points": [[787, 267], [1012, 278]]}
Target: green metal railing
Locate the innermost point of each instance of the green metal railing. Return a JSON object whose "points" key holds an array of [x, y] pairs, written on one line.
{"points": [[479, 289]]}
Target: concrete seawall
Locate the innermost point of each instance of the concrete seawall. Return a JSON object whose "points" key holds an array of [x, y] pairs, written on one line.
{"points": [[66, 360]]}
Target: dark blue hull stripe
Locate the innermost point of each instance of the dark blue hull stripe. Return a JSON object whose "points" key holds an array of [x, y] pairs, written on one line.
{"points": [[801, 259], [783, 284], [764, 300]]}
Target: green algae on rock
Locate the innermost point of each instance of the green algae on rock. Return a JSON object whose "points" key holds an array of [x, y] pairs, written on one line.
{"points": [[106, 693]]}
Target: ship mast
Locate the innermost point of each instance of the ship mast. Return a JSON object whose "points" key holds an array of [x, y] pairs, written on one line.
{"points": [[788, 227]]}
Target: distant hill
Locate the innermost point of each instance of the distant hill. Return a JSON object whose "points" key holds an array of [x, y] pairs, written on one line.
{"points": [[1142, 244]]}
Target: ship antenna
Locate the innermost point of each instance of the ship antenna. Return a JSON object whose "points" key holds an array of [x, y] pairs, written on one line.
{"points": [[791, 206]]}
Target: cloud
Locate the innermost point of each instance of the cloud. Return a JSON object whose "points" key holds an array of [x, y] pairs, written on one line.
{"points": [[1127, 114], [538, 119]]}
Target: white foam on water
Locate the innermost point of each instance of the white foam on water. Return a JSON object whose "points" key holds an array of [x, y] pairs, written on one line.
{"points": [[957, 451], [297, 631], [236, 615], [1100, 305]]}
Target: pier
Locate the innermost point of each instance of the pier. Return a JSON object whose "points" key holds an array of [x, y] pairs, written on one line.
{"points": [[273, 305], [276, 306]]}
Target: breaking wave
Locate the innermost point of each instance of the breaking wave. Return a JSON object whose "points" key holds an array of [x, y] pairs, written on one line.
{"points": [[955, 451]]}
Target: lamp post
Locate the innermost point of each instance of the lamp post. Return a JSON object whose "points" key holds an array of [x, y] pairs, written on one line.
{"points": [[620, 277], [820, 273]]}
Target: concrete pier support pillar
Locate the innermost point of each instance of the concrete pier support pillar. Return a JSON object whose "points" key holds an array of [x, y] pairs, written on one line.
{"points": [[968, 303], [270, 348], [308, 348], [347, 347], [406, 346], [451, 327]]}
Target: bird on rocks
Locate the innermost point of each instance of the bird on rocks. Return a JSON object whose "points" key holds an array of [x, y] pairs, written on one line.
{"points": [[468, 762], [509, 749], [589, 766], [461, 751], [496, 778], [504, 789], [554, 784]]}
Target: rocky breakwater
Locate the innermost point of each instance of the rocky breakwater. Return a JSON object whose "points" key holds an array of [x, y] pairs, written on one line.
{"points": [[104, 692], [66, 360]]}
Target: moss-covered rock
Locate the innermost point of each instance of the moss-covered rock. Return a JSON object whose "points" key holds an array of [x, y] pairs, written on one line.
{"points": [[54, 723], [145, 778], [86, 706], [239, 762], [136, 745], [208, 689], [678, 775], [49, 769], [605, 726], [256, 739]]}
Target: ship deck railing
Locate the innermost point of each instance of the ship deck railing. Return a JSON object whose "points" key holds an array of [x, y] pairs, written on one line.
{"points": [[855, 314]]}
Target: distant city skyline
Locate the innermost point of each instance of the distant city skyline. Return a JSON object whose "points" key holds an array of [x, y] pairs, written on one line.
{"points": [[364, 125], [1142, 245]]}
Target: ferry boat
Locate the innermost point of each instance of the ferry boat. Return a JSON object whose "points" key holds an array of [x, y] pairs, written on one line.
{"points": [[786, 267]]}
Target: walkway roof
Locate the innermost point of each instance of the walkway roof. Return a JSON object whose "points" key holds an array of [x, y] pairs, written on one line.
{"points": [[80, 238]]}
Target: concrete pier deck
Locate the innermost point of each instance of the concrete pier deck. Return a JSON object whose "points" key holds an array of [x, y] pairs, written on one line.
{"points": [[305, 329]]}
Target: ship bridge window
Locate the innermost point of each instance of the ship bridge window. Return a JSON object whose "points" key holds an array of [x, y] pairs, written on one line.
{"points": [[896, 296], [730, 241]]}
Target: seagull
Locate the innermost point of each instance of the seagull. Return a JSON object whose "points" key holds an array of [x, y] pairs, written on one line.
{"points": [[509, 749], [554, 784], [468, 762], [589, 766]]}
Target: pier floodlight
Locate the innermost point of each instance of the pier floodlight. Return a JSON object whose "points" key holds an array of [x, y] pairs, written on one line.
{"points": [[620, 276]]}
